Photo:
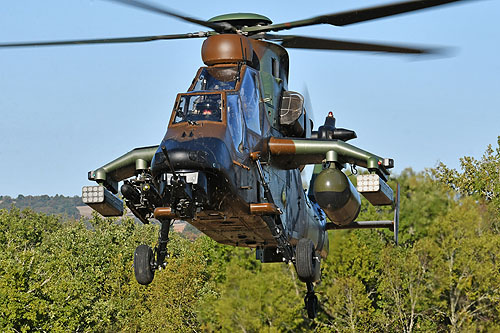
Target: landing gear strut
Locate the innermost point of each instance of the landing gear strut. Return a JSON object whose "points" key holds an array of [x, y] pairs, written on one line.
{"points": [[311, 301], [161, 249], [145, 264], [307, 264]]}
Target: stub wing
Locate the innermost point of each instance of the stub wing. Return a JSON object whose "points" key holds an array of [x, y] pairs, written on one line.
{"points": [[123, 167], [102, 197], [335, 194], [291, 153]]}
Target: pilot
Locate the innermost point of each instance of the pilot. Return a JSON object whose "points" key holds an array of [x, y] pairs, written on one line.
{"points": [[208, 109]]}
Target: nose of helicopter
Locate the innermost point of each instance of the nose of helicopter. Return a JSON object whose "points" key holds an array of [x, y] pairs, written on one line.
{"points": [[194, 175], [209, 155]]}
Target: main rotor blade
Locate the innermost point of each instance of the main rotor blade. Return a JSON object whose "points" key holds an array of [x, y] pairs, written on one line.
{"points": [[299, 42], [107, 40], [355, 16], [219, 27]]}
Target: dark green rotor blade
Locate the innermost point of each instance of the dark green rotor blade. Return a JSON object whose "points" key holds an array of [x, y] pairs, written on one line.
{"points": [[299, 42], [107, 40], [217, 26], [355, 16]]}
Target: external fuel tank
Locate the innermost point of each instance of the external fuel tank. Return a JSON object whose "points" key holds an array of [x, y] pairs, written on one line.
{"points": [[336, 195]]}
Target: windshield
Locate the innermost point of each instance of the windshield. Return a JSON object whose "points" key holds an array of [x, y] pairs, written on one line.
{"points": [[193, 108], [216, 78]]}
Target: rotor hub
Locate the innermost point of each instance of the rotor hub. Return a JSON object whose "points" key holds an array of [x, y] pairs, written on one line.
{"points": [[239, 20]]}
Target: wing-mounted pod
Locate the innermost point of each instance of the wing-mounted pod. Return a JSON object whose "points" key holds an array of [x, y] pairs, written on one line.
{"points": [[336, 195], [333, 191], [102, 201], [139, 193], [373, 195], [340, 200]]}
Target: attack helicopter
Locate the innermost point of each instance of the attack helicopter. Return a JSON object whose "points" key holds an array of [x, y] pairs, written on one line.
{"points": [[230, 162]]}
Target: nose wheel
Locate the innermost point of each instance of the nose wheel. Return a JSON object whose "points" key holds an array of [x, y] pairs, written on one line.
{"points": [[145, 264]]}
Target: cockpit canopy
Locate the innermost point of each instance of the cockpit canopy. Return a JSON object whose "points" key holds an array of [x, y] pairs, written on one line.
{"points": [[230, 95], [216, 78]]}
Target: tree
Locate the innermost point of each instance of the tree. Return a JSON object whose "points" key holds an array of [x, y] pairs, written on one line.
{"points": [[464, 262], [23, 271], [404, 289], [78, 276], [480, 178], [256, 297]]}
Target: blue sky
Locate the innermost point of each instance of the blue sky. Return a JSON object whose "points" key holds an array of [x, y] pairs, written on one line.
{"points": [[68, 110]]}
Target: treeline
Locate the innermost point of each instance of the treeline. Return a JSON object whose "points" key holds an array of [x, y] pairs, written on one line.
{"points": [[57, 204], [59, 275]]}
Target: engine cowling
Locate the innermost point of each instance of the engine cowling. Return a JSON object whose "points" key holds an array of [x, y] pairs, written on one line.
{"points": [[336, 195]]}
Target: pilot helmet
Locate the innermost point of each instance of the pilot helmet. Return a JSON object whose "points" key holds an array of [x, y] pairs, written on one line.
{"points": [[208, 107]]}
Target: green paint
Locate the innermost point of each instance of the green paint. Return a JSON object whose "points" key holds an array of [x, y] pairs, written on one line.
{"points": [[346, 152], [124, 167], [240, 17]]}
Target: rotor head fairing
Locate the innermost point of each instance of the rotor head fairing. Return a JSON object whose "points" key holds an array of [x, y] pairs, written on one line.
{"points": [[240, 20], [226, 49]]}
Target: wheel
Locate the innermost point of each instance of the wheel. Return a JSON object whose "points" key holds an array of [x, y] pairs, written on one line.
{"points": [[143, 264], [312, 305], [308, 267]]}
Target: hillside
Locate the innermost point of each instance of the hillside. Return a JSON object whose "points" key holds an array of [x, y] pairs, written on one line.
{"points": [[73, 207], [58, 204]]}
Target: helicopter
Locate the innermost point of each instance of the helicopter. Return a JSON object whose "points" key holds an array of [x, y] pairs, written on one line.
{"points": [[236, 142]]}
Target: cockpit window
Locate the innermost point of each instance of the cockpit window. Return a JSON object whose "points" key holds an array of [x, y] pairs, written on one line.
{"points": [[194, 108], [250, 98], [216, 78]]}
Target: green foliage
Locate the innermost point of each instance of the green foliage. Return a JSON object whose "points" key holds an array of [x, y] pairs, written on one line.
{"points": [[22, 271], [256, 298], [66, 275], [422, 202], [171, 302], [479, 178], [403, 290], [348, 305], [59, 276], [464, 254]]}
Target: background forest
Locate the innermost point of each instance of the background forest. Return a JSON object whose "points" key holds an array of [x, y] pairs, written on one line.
{"points": [[61, 274]]}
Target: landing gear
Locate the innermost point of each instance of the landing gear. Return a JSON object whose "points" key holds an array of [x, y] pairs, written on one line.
{"points": [[145, 264], [311, 302], [307, 264], [161, 249]]}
